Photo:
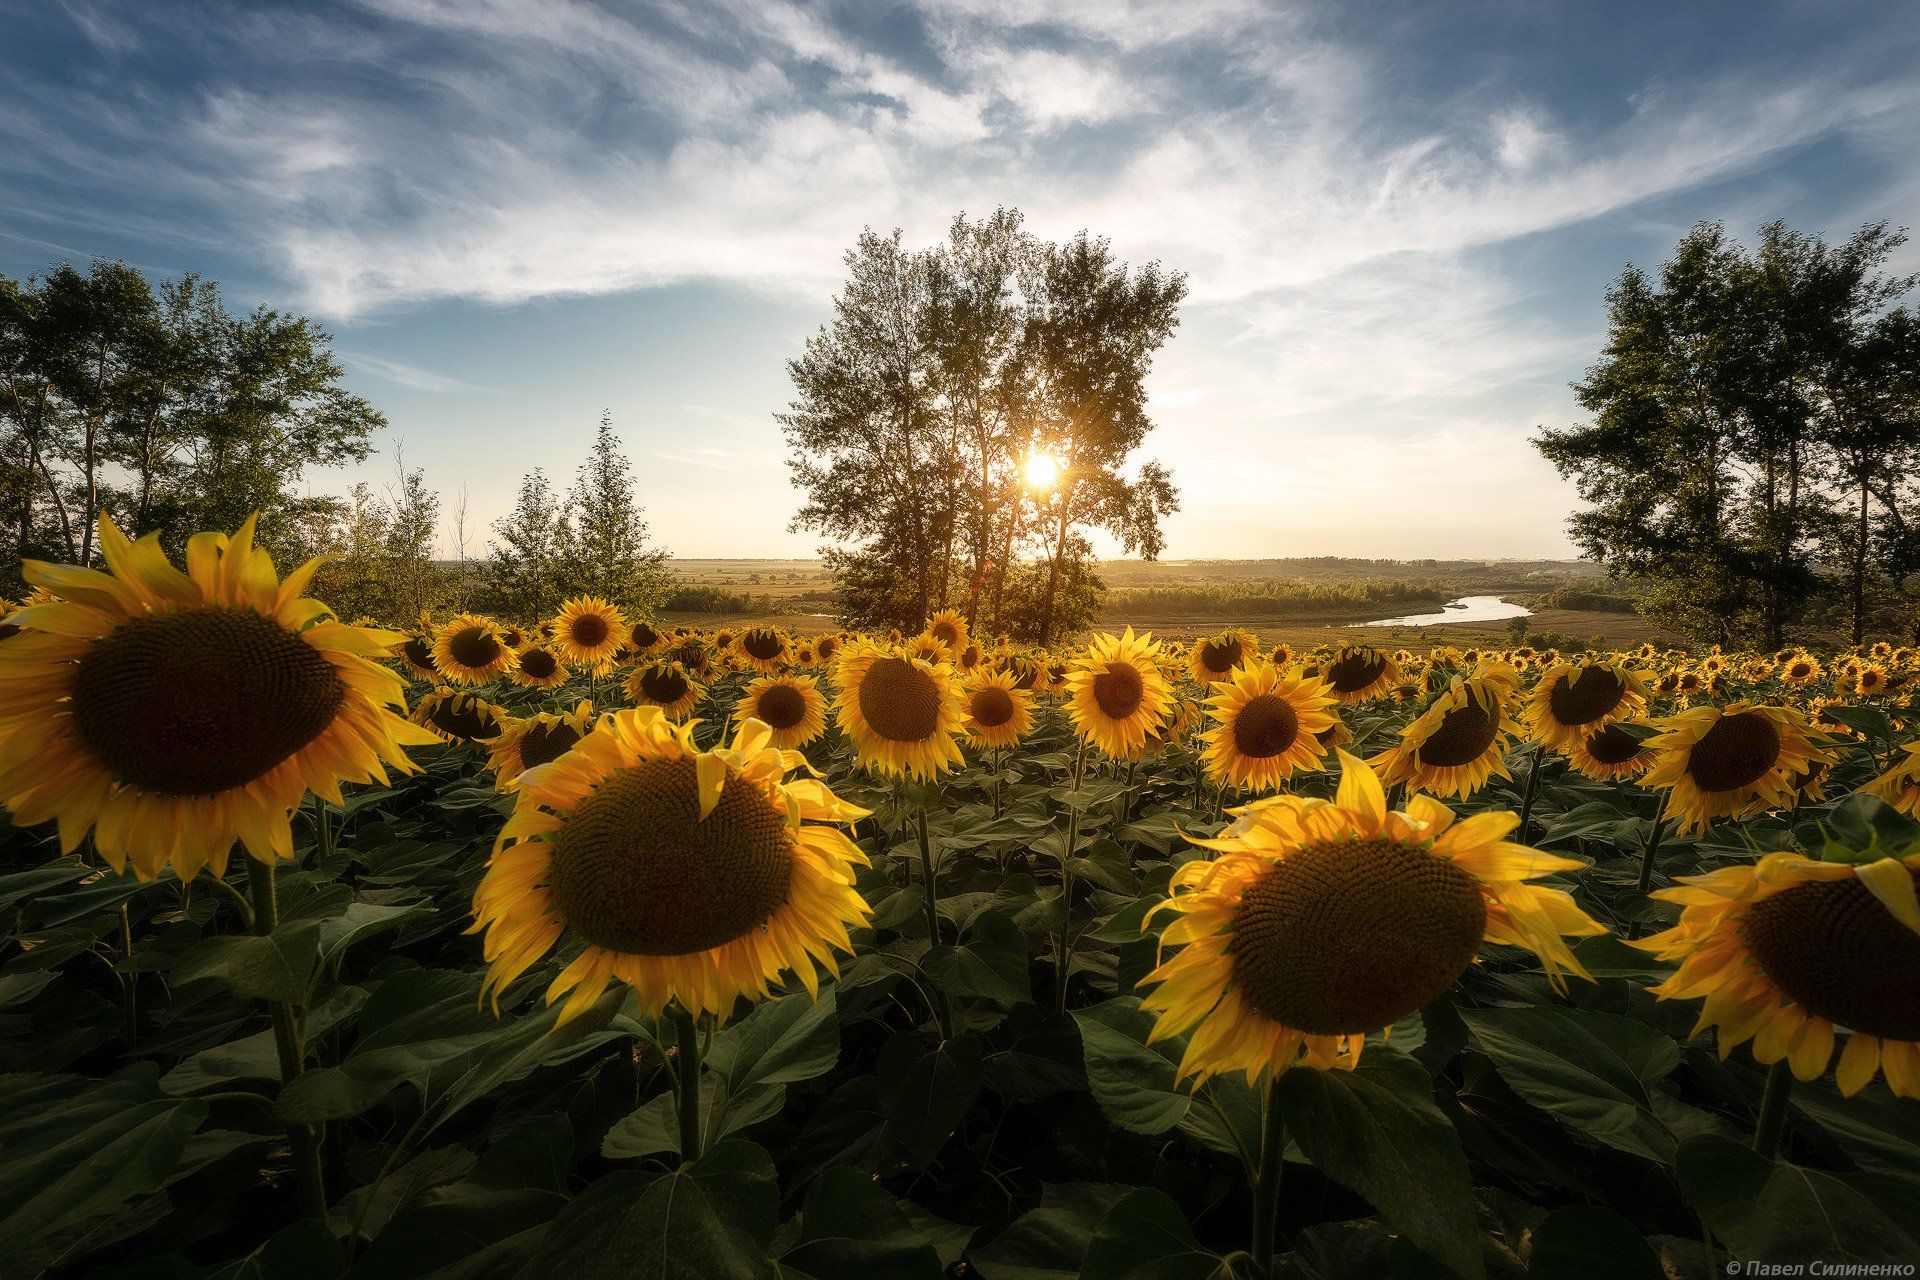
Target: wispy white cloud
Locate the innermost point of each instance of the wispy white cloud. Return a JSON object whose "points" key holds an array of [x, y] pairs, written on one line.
{"points": [[413, 377]]}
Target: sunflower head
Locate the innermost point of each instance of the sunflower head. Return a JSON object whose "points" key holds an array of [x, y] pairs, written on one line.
{"points": [[998, 713], [791, 706], [1319, 922], [457, 717], [416, 655], [949, 629], [471, 650], [1730, 762], [539, 739], [1267, 720], [902, 712], [1116, 694], [1215, 658], [644, 637], [691, 876], [762, 648], [589, 631], [1571, 701], [666, 685], [1458, 743], [535, 666], [1358, 673], [1610, 754]]}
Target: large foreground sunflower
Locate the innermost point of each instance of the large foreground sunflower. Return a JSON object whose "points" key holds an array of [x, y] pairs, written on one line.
{"points": [[791, 706], [1730, 762], [528, 743], [997, 713], [1788, 950], [1116, 695], [697, 876], [1323, 921], [470, 650], [175, 713], [1267, 722], [1572, 701], [902, 713], [1458, 743], [588, 631]]}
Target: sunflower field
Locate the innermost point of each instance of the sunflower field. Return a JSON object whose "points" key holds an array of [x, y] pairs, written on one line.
{"points": [[585, 946]]}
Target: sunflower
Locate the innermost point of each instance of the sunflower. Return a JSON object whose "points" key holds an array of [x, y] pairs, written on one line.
{"points": [[825, 648], [969, 657], [1872, 680], [1572, 701], [453, 716], [1610, 754], [536, 667], [1358, 672], [1729, 762], [175, 713], [525, 744], [1215, 658], [1116, 694], [900, 712], [697, 876], [416, 655], [997, 713], [1323, 921], [693, 656], [789, 705], [644, 637], [1899, 786], [1786, 950], [588, 631], [1268, 719], [950, 629], [1800, 670], [1281, 655], [666, 685], [1458, 743], [762, 649], [470, 650]]}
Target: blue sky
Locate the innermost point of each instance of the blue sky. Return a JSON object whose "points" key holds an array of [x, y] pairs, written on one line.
{"points": [[1398, 219]]}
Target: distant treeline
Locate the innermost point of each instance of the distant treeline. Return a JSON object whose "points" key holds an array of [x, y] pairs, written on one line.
{"points": [[694, 599], [1271, 599], [1585, 600]]}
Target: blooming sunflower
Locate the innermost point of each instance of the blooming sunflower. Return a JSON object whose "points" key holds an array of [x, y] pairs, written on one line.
{"points": [[1729, 762], [1323, 921], [1610, 754], [175, 713], [1788, 949], [1358, 672], [697, 876], [1268, 719], [1116, 695], [453, 716], [791, 706], [900, 711], [1459, 742], [997, 713], [536, 667], [666, 685], [470, 650], [416, 655], [1800, 670], [762, 649], [1571, 701], [1899, 786], [950, 629], [825, 648], [1215, 658], [644, 637], [527, 743], [588, 631]]}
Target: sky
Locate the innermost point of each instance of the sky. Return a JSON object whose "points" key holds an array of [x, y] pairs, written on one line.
{"points": [[1398, 221]]}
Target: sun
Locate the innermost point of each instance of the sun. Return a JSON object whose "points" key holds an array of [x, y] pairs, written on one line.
{"points": [[1040, 471]]}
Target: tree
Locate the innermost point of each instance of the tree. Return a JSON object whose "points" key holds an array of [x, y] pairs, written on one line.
{"points": [[523, 570], [605, 550]]}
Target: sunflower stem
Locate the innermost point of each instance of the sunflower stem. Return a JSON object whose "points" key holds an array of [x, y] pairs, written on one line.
{"points": [[1773, 1109], [1266, 1183], [1648, 853], [942, 1011], [687, 1065], [1526, 797], [130, 981], [1124, 808], [302, 1142], [1063, 952]]}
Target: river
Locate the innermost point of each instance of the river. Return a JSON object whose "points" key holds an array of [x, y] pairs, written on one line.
{"points": [[1465, 609]]}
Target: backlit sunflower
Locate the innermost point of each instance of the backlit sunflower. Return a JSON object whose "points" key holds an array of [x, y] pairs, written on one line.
{"points": [[1458, 743], [697, 876], [762, 649], [1215, 658], [969, 657], [825, 649], [950, 629], [1871, 681], [644, 637], [470, 650], [1729, 762], [1787, 950], [588, 631], [175, 713], [1116, 695], [536, 667], [665, 685], [1323, 921], [791, 706], [1610, 754], [416, 655], [1358, 673], [454, 716], [1572, 701], [1799, 670], [902, 713], [1267, 718], [536, 740], [997, 713]]}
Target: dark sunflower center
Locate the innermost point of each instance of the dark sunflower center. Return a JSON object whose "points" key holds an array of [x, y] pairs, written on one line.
{"points": [[473, 647], [1119, 690], [1265, 727], [636, 869], [1737, 752], [1220, 655], [1799, 671], [466, 719], [761, 644], [663, 685], [782, 706], [196, 702], [826, 647], [899, 701], [538, 663], [1832, 947], [512, 637], [970, 656], [8, 630], [692, 657], [990, 706], [945, 632], [1353, 672], [1586, 697], [1613, 745], [419, 652], [1463, 736], [643, 636], [589, 630], [1350, 936], [544, 742]]}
